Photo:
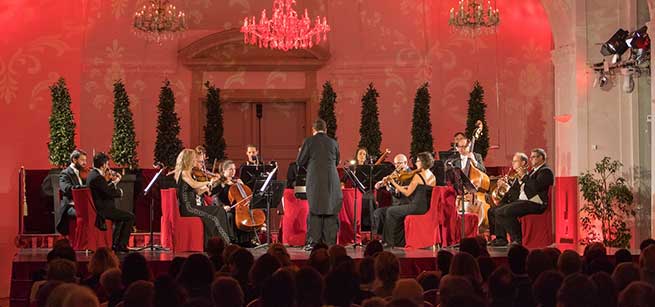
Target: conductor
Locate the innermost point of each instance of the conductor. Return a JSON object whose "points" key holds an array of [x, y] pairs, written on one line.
{"points": [[319, 155]]}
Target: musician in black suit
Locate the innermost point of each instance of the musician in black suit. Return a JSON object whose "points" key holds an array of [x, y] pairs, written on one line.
{"points": [[533, 188], [456, 138], [104, 192], [519, 160], [69, 179], [252, 159], [397, 199], [319, 155], [465, 157]]}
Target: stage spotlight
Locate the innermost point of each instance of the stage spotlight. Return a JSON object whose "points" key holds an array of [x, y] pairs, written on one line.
{"points": [[615, 45], [628, 79], [604, 82], [639, 39]]}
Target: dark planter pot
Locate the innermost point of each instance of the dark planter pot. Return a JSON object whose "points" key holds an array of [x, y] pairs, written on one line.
{"points": [[127, 185]]}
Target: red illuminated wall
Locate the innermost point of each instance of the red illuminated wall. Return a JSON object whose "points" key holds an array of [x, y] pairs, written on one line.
{"points": [[398, 45]]}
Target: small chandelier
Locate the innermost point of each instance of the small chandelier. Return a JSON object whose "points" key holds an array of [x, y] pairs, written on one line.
{"points": [[472, 19], [285, 30], [160, 21]]}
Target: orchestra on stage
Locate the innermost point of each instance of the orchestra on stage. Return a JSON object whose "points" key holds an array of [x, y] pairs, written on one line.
{"points": [[234, 203]]}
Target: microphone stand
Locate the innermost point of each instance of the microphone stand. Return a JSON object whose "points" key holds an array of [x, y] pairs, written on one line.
{"points": [[358, 186]]}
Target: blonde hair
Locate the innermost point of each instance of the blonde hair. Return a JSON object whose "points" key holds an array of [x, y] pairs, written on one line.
{"points": [[184, 162], [226, 164]]}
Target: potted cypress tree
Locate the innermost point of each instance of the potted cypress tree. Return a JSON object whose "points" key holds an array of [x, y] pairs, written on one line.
{"points": [[62, 139], [214, 138], [168, 144], [422, 139], [369, 127], [123, 146], [326, 109]]}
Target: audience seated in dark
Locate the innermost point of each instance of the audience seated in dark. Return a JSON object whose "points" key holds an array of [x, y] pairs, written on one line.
{"points": [[624, 274], [214, 249], [261, 271], [226, 292], [646, 243], [577, 291], [444, 258], [135, 267], [536, 262], [374, 302], [336, 251], [401, 302], [319, 260], [196, 276], [176, 266], [45, 290], [592, 252], [372, 248], [545, 288], [408, 288], [387, 272], [280, 289], [647, 265], [366, 273], [62, 270], [553, 253], [464, 265], [429, 280], [607, 294], [341, 286], [487, 266], [501, 290], [569, 262], [309, 287], [482, 244], [452, 286], [622, 255], [140, 293], [600, 264], [168, 292], [637, 294], [198, 302], [102, 260], [464, 301], [240, 263], [471, 246], [280, 253], [112, 283], [517, 257]]}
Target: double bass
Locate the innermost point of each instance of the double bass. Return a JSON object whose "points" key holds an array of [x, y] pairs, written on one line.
{"points": [[478, 202]]}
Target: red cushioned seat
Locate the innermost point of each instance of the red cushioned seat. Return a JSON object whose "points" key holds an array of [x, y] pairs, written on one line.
{"points": [[294, 220], [537, 229], [184, 233], [87, 235]]}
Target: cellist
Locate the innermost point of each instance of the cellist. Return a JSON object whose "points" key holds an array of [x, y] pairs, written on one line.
{"points": [[228, 171]]}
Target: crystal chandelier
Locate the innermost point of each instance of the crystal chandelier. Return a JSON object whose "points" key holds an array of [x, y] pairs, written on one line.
{"points": [[284, 30], [160, 21], [472, 19]]}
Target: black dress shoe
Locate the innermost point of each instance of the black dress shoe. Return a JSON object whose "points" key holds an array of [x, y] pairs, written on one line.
{"points": [[308, 248]]}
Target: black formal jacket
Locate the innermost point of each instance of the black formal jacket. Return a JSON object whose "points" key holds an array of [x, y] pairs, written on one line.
{"points": [[319, 155], [68, 181], [103, 194], [457, 162], [536, 183]]}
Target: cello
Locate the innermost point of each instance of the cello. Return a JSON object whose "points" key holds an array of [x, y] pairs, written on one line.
{"points": [[246, 219]]}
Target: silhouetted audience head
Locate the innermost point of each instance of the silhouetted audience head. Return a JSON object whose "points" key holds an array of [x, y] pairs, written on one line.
{"points": [[103, 259], [140, 293], [374, 302], [444, 258], [646, 243], [482, 244], [501, 290], [402, 302], [78, 296], [215, 247], [309, 287], [553, 253], [280, 289], [320, 260], [569, 262], [577, 291], [45, 290], [112, 281], [487, 266], [592, 252], [341, 286], [168, 292], [62, 270], [622, 255], [229, 250], [321, 245], [373, 247], [241, 262], [198, 302], [607, 294], [226, 292], [471, 246], [262, 270], [197, 275], [624, 274], [60, 294], [600, 264], [280, 252], [336, 251], [135, 267], [544, 289], [176, 266], [366, 269], [471, 300], [537, 262], [465, 265], [647, 265], [452, 286], [63, 250], [429, 280], [637, 294], [516, 256], [410, 289], [387, 269]]}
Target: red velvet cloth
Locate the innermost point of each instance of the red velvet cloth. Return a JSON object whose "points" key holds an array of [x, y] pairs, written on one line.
{"points": [[470, 226], [294, 220], [537, 229], [566, 210], [346, 214], [435, 226], [87, 235], [184, 233]]}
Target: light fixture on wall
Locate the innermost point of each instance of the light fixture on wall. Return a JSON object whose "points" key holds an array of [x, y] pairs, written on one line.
{"points": [[159, 21], [637, 63], [284, 30], [472, 19]]}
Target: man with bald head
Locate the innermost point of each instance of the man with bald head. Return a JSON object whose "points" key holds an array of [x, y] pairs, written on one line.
{"points": [[397, 199]]}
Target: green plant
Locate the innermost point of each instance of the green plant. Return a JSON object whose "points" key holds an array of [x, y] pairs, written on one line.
{"points": [[422, 139], [214, 138], [609, 201], [476, 111], [168, 145], [62, 125], [369, 127], [123, 141], [326, 109]]}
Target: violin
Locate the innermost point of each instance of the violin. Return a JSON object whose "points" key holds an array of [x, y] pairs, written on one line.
{"points": [[204, 176], [402, 177], [246, 219], [111, 175]]}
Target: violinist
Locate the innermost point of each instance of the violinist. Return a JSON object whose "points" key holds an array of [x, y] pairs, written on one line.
{"points": [[70, 178], [419, 191], [397, 199], [242, 238], [102, 182], [213, 218]]}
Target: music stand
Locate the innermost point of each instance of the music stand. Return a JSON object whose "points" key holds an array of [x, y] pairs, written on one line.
{"points": [[151, 244], [249, 174], [369, 174], [358, 186], [266, 192], [462, 184]]}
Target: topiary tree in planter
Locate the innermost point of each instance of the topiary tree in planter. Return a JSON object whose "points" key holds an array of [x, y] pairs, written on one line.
{"points": [[62, 125], [422, 139], [369, 127], [326, 109], [214, 139], [168, 144], [609, 201]]}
